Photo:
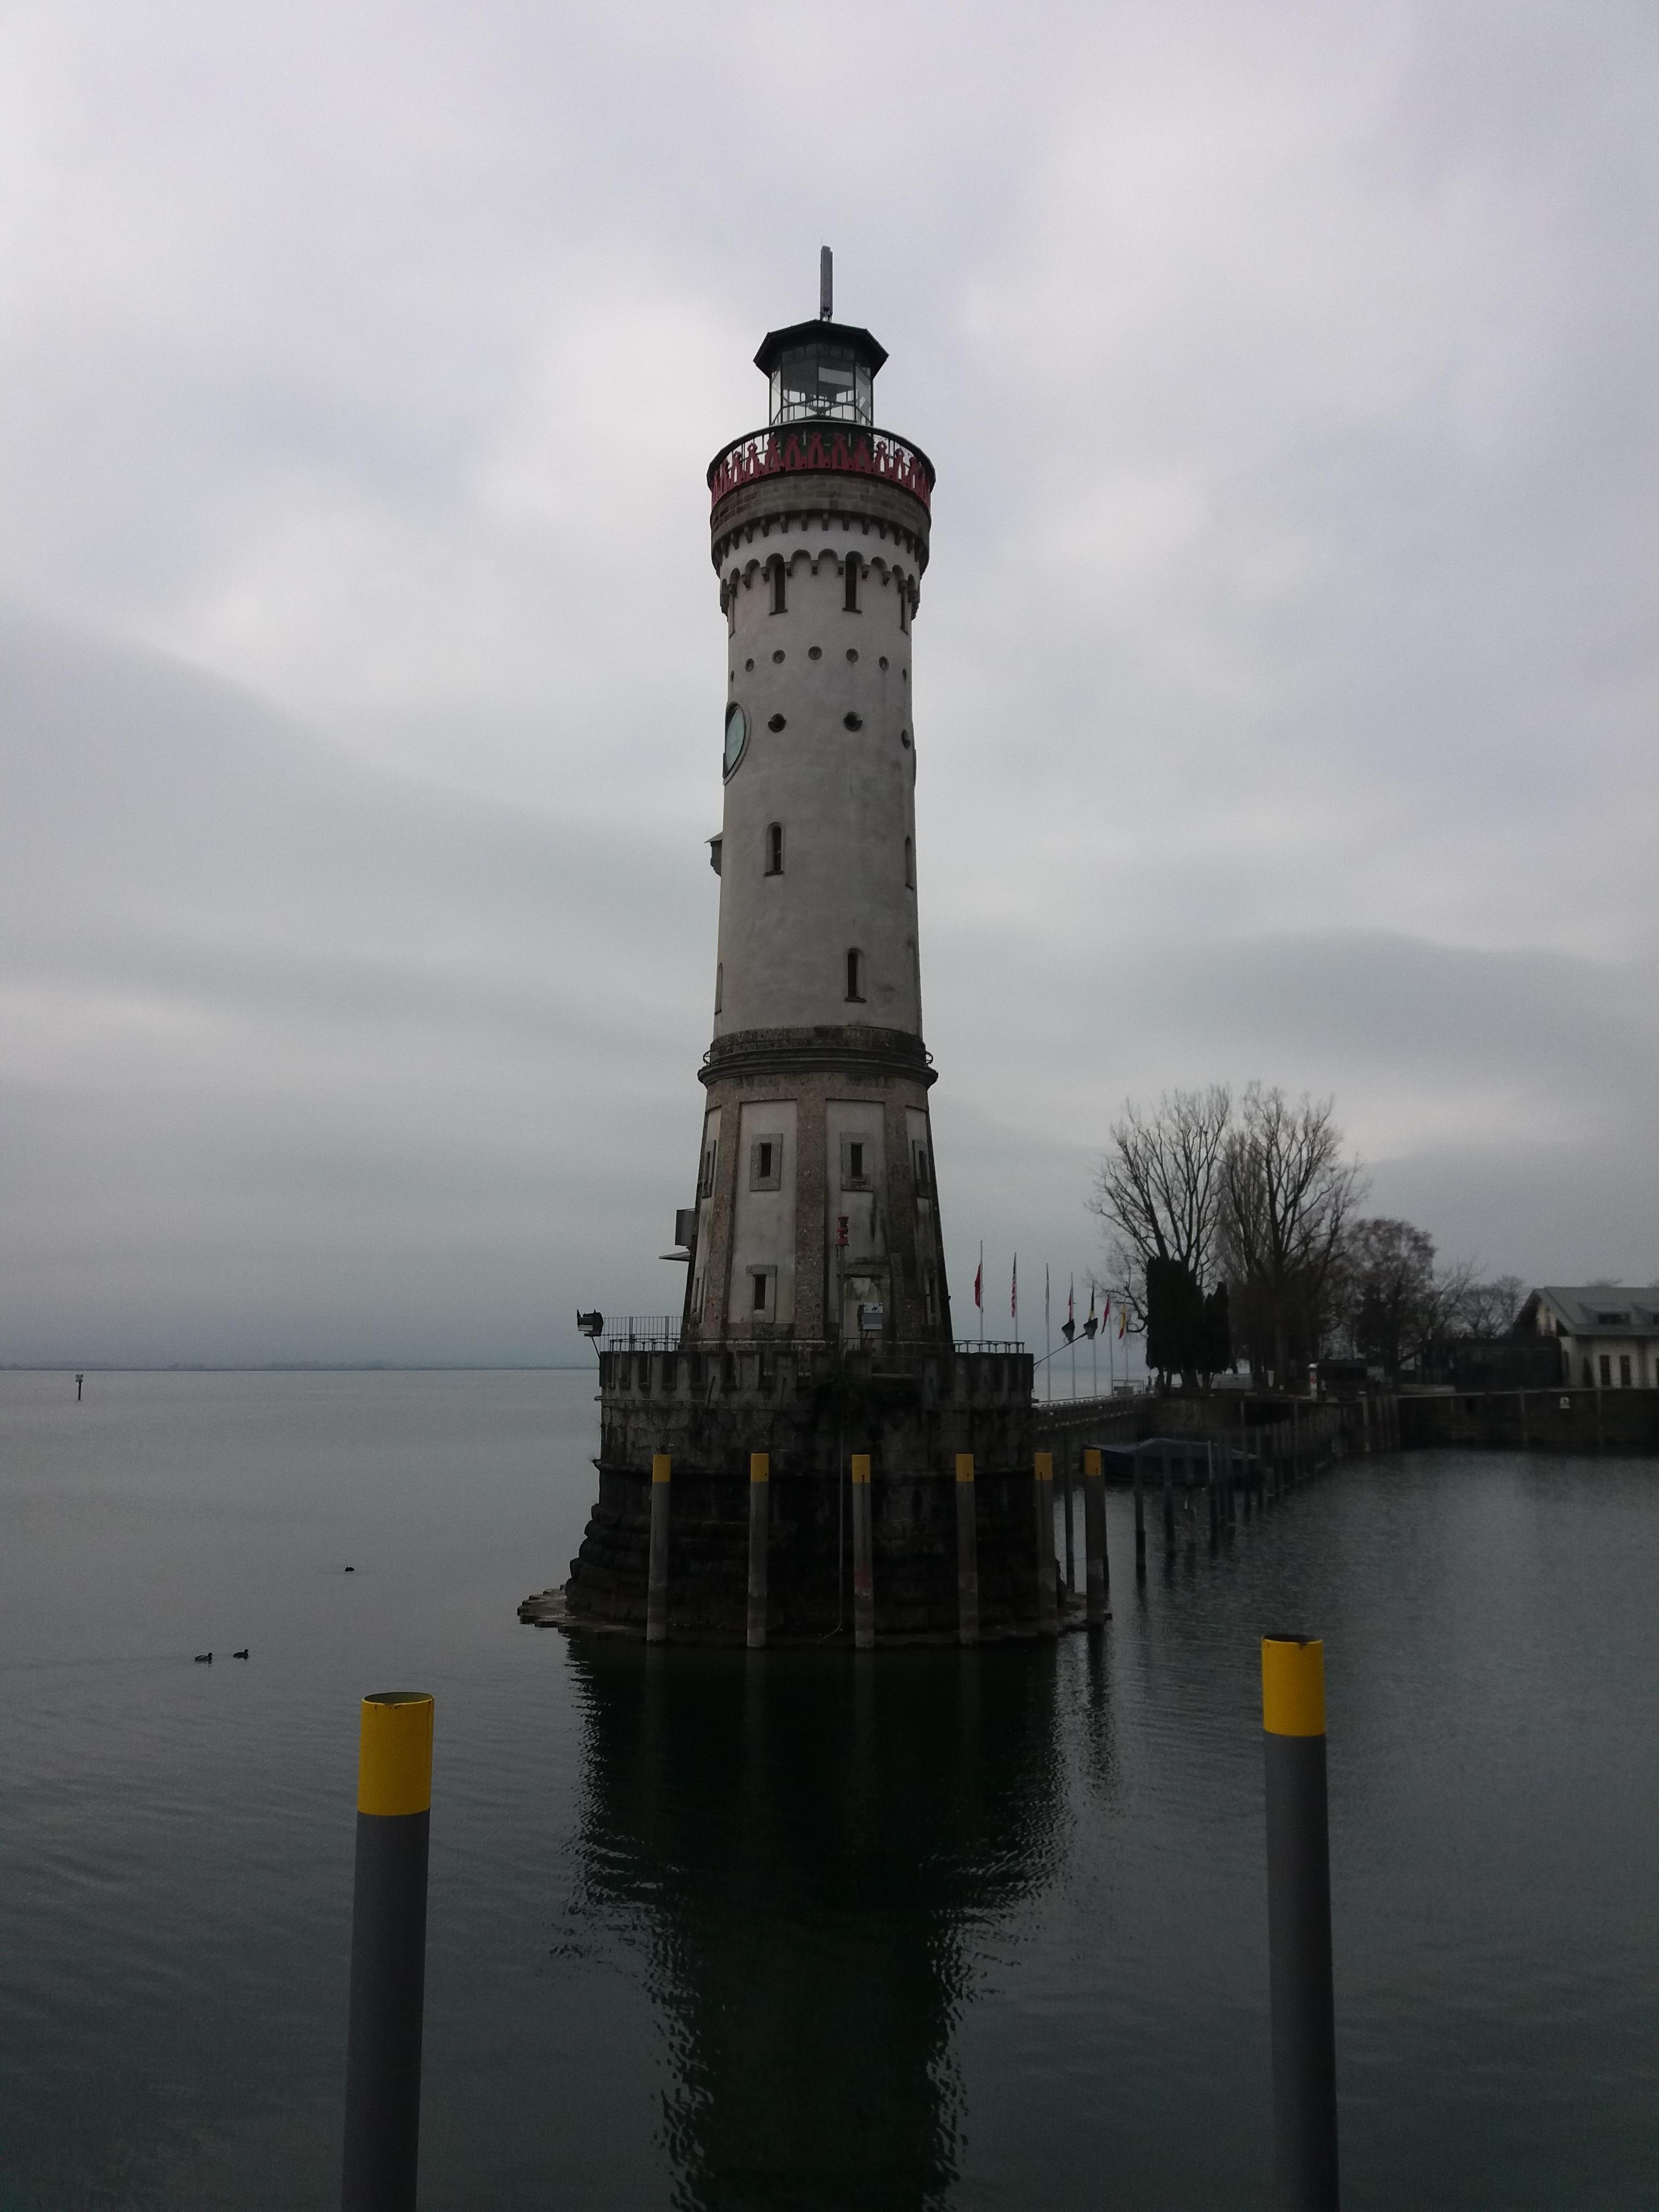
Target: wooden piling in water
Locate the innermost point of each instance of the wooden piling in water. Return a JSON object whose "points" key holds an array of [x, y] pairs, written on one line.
{"points": [[1169, 1505], [1043, 1487], [1065, 1511], [759, 1469], [656, 1580], [1214, 1497], [1094, 1536], [967, 1552], [864, 1595]]}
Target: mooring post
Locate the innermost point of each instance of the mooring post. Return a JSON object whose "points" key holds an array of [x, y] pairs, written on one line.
{"points": [[656, 1585], [760, 1485], [1065, 1489], [1299, 1924], [1214, 1496], [864, 1595], [1043, 1487], [1094, 1535], [967, 1553], [1521, 1400], [1140, 1520], [388, 1953]]}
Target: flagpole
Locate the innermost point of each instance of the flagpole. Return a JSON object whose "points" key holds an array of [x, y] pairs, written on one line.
{"points": [[1071, 1316], [979, 1293], [1048, 1344], [1094, 1355]]}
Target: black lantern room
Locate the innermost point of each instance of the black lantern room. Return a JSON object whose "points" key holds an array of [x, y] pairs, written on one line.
{"points": [[821, 372]]}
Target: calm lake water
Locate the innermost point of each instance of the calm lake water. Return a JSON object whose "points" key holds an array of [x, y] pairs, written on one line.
{"points": [[920, 1929]]}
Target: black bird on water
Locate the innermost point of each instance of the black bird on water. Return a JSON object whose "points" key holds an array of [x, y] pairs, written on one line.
{"points": [[351, 1571], [242, 1654], [204, 1658]]}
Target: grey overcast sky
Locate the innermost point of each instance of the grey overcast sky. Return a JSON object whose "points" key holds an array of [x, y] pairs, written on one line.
{"points": [[1287, 671]]}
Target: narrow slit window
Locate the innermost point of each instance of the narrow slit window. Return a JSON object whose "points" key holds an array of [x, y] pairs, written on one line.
{"points": [[909, 864], [757, 1292], [779, 587], [904, 607], [774, 849], [851, 602], [855, 975], [720, 983], [732, 605]]}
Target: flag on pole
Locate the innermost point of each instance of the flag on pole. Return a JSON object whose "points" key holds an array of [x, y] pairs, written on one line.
{"points": [[1122, 1316], [979, 1283], [1091, 1324]]}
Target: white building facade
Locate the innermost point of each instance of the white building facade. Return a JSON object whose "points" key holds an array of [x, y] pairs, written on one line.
{"points": [[1608, 1336]]}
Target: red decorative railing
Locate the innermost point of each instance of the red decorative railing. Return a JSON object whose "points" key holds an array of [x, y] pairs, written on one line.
{"points": [[822, 446]]}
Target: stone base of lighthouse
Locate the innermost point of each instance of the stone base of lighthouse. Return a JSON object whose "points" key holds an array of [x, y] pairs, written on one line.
{"points": [[811, 1408]]}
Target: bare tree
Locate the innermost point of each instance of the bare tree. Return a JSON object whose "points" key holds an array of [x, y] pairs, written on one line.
{"points": [[1158, 1188], [1489, 1308], [1286, 1194]]}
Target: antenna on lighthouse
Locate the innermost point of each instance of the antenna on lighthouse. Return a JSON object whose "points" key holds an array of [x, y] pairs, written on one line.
{"points": [[826, 282]]}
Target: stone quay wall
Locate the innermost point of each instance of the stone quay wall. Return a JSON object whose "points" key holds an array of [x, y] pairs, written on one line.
{"points": [[810, 1409]]}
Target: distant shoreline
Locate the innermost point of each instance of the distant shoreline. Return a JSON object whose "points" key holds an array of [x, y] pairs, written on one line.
{"points": [[302, 1367]]}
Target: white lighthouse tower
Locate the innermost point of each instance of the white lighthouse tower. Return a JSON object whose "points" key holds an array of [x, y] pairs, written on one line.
{"points": [[816, 1218], [813, 1353]]}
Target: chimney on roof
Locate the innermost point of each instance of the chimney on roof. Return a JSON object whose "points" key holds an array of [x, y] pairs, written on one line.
{"points": [[826, 282]]}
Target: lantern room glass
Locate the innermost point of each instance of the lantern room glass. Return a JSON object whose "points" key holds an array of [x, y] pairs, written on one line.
{"points": [[821, 382]]}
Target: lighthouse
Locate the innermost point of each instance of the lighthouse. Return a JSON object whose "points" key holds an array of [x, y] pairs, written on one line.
{"points": [[816, 1220], [813, 1351]]}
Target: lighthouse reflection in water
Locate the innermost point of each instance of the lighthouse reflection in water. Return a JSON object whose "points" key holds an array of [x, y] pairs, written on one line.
{"points": [[804, 1849]]}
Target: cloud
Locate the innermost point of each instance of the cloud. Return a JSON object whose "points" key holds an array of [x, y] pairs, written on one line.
{"points": [[1285, 673]]}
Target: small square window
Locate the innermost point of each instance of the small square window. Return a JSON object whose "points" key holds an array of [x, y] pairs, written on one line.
{"points": [[766, 1164], [855, 1162]]}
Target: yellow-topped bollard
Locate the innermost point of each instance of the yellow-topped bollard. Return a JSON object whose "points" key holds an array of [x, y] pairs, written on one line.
{"points": [[1299, 1924], [388, 1953]]}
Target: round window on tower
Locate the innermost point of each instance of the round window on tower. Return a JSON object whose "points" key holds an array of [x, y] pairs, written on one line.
{"points": [[736, 735]]}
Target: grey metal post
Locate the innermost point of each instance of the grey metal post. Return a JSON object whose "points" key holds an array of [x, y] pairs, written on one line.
{"points": [[656, 1585], [388, 1953], [760, 1486], [1097, 1568], [1299, 1925], [864, 1592], [967, 1553], [1043, 1489]]}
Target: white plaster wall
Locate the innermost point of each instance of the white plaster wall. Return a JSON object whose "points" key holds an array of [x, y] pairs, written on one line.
{"points": [[863, 1264], [708, 1169], [919, 1133], [1641, 1353], [764, 1221], [845, 797]]}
